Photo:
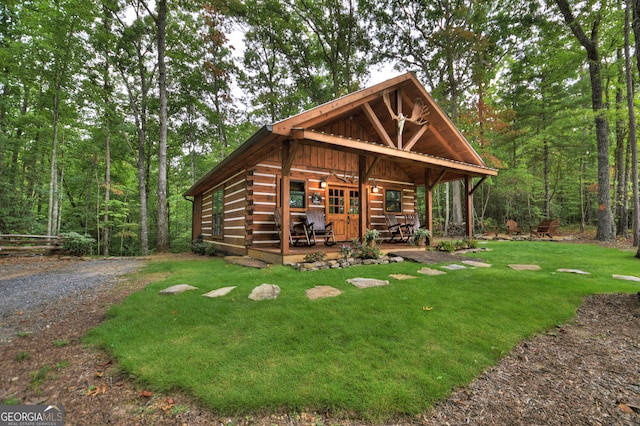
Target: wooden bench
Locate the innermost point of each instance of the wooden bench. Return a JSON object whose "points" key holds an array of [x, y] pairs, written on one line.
{"points": [[28, 244], [547, 228]]}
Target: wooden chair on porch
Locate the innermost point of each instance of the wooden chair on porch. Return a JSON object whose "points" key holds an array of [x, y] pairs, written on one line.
{"points": [[298, 232], [401, 230], [318, 227]]}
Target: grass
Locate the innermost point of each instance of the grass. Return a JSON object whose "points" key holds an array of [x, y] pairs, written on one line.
{"points": [[373, 354]]}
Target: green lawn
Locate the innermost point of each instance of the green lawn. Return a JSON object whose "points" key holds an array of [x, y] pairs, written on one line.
{"points": [[372, 354]]}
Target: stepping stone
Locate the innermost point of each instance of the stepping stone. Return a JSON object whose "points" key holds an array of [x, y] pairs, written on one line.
{"points": [[574, 271], [431, 272], [626, 278], [177, 289], [476, 264], [265, 292], [219, 292], [321, 291], [402, 276], [246, 261], [517, 267], [454, 267], [367, 282]]}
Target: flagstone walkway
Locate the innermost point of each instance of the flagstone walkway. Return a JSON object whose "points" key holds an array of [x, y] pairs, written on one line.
{"points": [[272, 291]]}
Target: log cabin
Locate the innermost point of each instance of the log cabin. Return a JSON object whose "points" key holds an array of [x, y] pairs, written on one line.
{"points": [[355, 158]]}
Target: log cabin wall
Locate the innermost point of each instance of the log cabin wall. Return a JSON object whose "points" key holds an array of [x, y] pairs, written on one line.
{"points": [[224, 214]]}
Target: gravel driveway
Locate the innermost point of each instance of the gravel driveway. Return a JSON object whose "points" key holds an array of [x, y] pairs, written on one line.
{"points": [[38, 286]]}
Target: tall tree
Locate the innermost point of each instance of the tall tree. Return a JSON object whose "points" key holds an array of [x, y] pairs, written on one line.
{"points": [[633, 142], [605, 226]]}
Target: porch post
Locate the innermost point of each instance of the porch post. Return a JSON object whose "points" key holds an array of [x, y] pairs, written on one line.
{"points": [[363, 195], [428, 200], [469, 191], [284, 199]]}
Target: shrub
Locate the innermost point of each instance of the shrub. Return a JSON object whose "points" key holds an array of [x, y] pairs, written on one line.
{"points": [[76, 244], [202, 248], [369, 252], [446, 245], [418, 236], [451, 245], [317, 256]]}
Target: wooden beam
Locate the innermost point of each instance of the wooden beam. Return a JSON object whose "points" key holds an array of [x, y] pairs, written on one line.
{"points": [[284, 199], [428, 200], [445, 144], [438, 179], [399, 113], [373, 164], [477, 185], [363, 212], [361, 147], [416, 137], [469, 220], [289, 149], [377, 125]]}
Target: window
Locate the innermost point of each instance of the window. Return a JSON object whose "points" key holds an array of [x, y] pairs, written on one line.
{"points": [[393, 201], [218, 211], [297, 195]]}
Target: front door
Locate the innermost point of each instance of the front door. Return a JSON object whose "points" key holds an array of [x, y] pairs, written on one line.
{"points": [[344, 212]]}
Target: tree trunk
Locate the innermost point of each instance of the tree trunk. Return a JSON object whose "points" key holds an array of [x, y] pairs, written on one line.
{"points": [[162, 243], [107, 141], [634, 142], [53, 171], [620, 179], [605, 229]]}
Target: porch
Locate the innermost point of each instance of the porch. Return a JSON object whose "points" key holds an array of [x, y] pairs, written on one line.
{"points": [[273, 254]]}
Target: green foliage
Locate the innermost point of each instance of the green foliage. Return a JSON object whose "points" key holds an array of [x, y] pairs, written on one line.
{"points": [[372, 354], [316, 256], [455, 245], [76, 244], [419, 236], [349, 250], [204, 248]]}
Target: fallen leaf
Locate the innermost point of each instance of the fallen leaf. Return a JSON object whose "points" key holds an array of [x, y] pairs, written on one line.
{"points": [[625, 408], [146, 394], [167, 406], [426, 308], [95, 391], [99, 373]]}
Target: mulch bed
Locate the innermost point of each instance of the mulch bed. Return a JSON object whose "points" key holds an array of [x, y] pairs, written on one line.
{"points": [[586, 372]]}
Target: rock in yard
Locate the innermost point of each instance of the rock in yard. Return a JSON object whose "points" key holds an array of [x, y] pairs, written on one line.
{"points": [[476, 264], [626, 278], [265, 292], [402, 276], [367, 282], [176, 289], [574, 271], [219, 292], [321, 291], [454, 267], [517, 267], [431, 272]]}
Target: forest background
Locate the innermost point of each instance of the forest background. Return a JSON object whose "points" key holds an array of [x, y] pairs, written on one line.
{"points": [[111, 109]]}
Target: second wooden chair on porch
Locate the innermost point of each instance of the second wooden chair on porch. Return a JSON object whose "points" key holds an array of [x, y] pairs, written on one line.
{"points": [[400, 230], [318, 227]]}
